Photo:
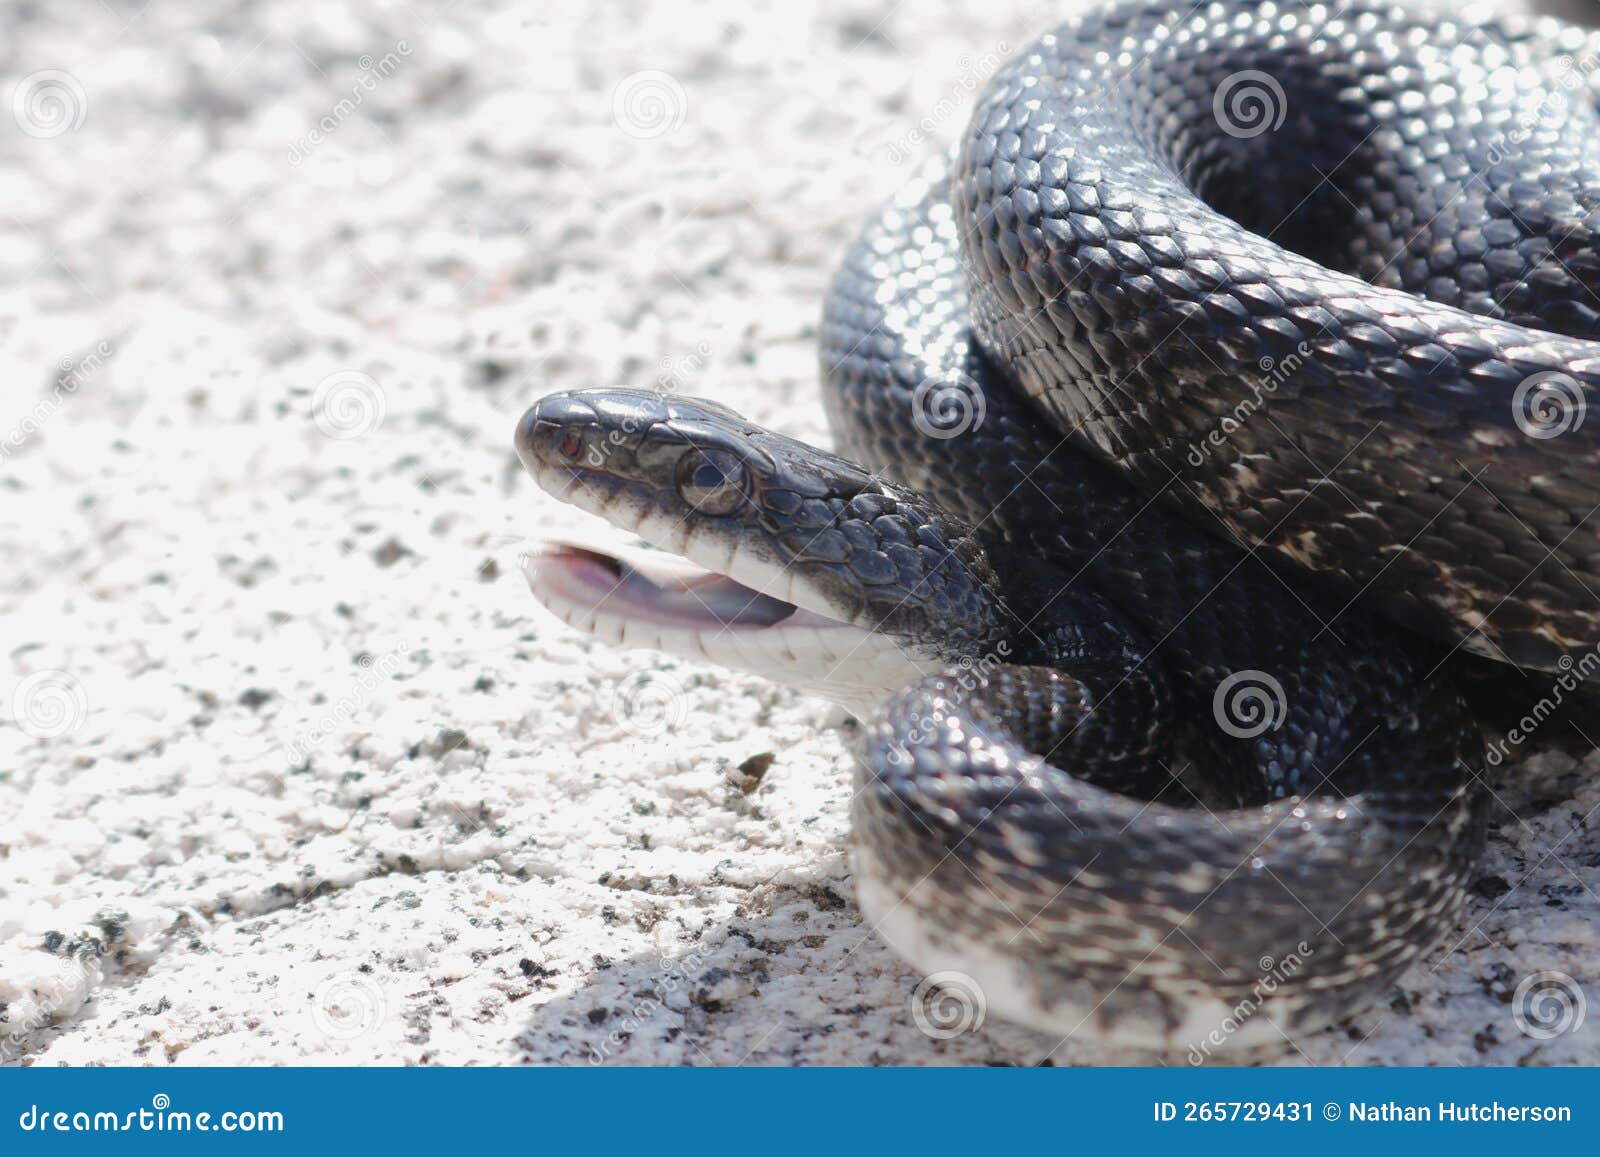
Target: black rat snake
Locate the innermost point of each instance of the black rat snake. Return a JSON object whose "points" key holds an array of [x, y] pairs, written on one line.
{"points": [[1232, 333]]}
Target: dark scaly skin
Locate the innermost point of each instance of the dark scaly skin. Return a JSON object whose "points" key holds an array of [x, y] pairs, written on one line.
{"points": [[1381, 760], [1008, 804], [1120, 271], [1077, 276]]}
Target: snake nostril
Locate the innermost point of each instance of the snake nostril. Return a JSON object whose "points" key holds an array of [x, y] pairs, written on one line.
{"points": [[553, 428]]}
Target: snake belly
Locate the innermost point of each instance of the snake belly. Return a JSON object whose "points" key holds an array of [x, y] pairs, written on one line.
{"points": [[1109, 383]]}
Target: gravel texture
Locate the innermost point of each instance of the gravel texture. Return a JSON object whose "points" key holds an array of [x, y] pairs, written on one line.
{"points": [[291, 767]]}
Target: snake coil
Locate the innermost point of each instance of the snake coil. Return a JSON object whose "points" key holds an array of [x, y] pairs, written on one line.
{"points": [[1229, 335]]}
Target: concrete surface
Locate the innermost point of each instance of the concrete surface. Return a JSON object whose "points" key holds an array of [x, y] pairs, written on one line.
{"points": [[291, 767]]}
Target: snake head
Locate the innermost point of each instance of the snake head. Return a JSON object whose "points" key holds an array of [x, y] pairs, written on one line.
{"points": [[811, 570]]}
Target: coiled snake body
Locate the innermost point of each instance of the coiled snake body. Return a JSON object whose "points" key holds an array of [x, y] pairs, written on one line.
{"points": [[1227, 331]]}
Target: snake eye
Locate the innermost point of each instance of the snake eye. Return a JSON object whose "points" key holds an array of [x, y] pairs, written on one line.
{"points": [[712, 481]]}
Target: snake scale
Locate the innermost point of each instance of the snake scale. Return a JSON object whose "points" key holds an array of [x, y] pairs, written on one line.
{"points": [[1231, 336]]}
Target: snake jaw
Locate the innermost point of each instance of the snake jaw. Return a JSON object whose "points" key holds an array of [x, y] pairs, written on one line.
{"points": [[883, 587], [619, 476], [668, 605], [742, 598]]}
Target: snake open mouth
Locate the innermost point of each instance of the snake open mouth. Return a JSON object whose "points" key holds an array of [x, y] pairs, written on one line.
{"points": [[665, 603], [779, 559], [669, 594]]}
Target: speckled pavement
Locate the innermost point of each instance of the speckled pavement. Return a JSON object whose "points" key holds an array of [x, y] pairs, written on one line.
{"points": [[292, 769]]}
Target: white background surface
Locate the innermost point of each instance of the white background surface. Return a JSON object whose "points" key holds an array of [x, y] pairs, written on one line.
{"points": [[325, 785]]}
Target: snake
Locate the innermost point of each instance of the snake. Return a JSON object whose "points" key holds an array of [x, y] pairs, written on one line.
{"points": [[1220, 389]]}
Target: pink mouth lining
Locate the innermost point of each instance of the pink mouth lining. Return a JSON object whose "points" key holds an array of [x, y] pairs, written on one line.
{"points": [[601, 582]]}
